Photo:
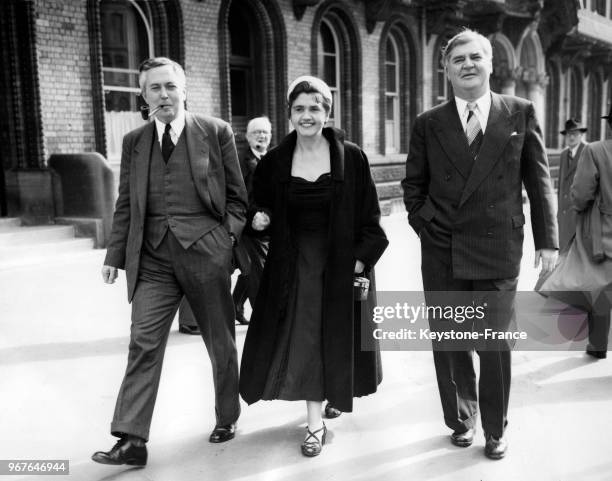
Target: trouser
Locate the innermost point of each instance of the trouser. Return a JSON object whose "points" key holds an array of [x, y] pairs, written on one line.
{"points": [[599, 324], [202, 274], [459, 393]]}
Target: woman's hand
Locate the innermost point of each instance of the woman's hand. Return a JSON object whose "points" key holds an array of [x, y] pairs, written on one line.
{"points": [[261, 221], [359, 267]]}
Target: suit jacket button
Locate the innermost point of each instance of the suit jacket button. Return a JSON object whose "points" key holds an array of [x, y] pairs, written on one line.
{"points": [[489, 234], [448, 177]]}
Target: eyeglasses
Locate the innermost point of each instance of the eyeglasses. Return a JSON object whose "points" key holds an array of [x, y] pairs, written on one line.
{"points": [[259, 132]]}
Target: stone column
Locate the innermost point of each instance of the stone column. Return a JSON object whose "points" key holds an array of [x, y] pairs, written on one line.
{"points": [[535, 84]]}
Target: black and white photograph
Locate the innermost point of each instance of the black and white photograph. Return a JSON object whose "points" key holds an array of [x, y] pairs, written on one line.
{"points": [[343, 240]]}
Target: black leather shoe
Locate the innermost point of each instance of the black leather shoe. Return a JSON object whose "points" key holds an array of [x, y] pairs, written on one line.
{"points": [[495, 448], [240, 319], [123, 452], [193, 330], [597, 354], [223, 433], [331, 412], [464, 439]]}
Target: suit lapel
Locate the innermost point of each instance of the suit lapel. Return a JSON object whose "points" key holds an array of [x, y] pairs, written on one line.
{"points": [[570, 167], [447, 127], [142, 160], [199, 154], [500, 126]]}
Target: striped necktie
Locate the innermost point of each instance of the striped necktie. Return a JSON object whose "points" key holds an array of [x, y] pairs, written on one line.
{"points": [[473, 131]]}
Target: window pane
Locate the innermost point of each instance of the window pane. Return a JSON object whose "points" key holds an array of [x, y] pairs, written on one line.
{"points": [[239, 89], [329, 70], [327, 39], [391, 73], [390, 52], [239, 32], [390, 108]]}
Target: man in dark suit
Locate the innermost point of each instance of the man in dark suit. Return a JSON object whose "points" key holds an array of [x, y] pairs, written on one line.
{"points": [[250, 255], [468, 159], [566, 215], [181, 205], [254, 243]]}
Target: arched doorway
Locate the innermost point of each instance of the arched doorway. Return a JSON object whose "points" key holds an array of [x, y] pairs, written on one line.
{"points": [[253, 60]]}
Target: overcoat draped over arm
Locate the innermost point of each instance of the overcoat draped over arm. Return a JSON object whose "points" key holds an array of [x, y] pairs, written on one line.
{"points": [[354, 233]]}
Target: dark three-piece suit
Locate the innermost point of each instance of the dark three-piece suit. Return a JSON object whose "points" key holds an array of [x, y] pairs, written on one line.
{"points": [[171, 234], [468, 213]]}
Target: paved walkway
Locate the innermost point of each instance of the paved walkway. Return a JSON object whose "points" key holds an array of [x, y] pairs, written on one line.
{"points": [[63, 346]]}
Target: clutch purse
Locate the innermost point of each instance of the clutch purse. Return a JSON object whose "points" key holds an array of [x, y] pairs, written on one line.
{"points": [[361, 287]]}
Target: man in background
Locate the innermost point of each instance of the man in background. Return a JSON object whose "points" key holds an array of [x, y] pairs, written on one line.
{"points": [[568, 160], [254, 243]]}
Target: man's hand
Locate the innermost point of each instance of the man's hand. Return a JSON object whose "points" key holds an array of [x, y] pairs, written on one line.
{"points": [[548, 258], [109, 274], [261, 221], [359, 267]]}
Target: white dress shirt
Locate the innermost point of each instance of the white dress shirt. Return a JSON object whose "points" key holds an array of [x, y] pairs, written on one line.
{"points": [[176, 128], [483, 106]]}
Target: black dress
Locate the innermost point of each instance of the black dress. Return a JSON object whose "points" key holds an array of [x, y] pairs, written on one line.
{"points": [[296, 372]]}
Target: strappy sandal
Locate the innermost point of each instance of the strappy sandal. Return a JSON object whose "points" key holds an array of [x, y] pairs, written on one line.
{"points": [[331, 412], [313, 448]]}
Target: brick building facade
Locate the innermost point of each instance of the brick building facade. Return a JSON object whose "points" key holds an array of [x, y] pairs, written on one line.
{"points": [[71, 82]]}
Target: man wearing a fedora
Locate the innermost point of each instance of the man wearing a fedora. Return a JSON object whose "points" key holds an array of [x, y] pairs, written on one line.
{"points": [[566, 215], [594, 177]]}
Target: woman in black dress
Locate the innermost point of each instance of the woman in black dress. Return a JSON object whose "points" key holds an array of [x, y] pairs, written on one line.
{"points": [[315, 195]]}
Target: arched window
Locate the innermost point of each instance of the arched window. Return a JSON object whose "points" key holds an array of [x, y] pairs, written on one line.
{"points": [[336, 58], [398, 87], [253, 60], [126, 41], [553, 100], [595, 104], [392, 96], [329, 68], [123, 33], [442, 90]]}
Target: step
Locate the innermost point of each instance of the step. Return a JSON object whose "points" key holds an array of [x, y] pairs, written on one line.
{"points": [[34, 235], [9, 223], [28, 254], [389, 190], [388, 173]]}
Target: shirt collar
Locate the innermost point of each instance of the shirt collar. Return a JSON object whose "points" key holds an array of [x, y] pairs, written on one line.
{"points": [[483, 103], [257, 154], [575, 149], [176, 126], [482, 113]]}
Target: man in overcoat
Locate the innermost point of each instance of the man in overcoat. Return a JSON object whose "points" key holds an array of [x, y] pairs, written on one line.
{"points": [[593, 178], [181, 205], [254, 244], [468, 160], [566, 215]]}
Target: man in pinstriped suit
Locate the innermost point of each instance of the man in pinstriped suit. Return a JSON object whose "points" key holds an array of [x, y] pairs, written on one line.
{"points": [[467, 162], [181, 206]]}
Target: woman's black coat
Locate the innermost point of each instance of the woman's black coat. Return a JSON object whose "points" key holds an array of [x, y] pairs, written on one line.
{"points": [[355, 233]]}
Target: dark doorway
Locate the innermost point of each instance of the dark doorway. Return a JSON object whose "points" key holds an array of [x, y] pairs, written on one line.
{"points": [[245, 66]]}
